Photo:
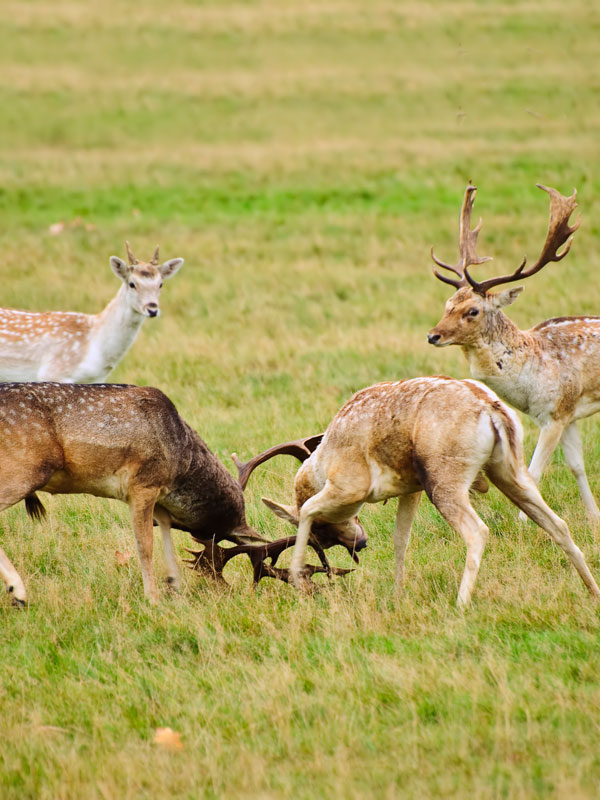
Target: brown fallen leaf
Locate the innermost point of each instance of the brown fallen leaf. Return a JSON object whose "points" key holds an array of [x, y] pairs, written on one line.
{"points": [[122, 559], [168, 738], [56, 228]]}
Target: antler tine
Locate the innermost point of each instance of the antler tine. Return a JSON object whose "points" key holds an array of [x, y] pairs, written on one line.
{"points": [[467, 243], [301, 449], [130, 256], [559, 232], [155, 256]]}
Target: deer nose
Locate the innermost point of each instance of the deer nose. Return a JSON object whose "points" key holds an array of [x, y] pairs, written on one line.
{"points": [[152, 309], [433, 338]]}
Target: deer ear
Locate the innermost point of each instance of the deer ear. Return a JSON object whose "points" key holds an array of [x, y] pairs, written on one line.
{"points": [[120, 267], [288, 513], [506, 297], [170, 267]]}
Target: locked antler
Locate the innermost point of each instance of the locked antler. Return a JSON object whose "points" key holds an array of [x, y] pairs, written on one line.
{"points": [[300, 448], [559, 231], [213, 558], [467, 244]]}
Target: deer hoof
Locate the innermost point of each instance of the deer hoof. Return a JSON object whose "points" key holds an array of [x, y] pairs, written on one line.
{"points": [[18, 602], [173, 584]]}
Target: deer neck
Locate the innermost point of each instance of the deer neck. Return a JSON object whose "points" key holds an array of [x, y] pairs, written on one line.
{"points": [[502, 357], [113, 332]]}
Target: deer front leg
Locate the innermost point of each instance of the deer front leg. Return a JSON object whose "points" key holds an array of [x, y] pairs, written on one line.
{"points": [[164, 522], [546, 445], [407, 508], [573, 452], [141, 506]]}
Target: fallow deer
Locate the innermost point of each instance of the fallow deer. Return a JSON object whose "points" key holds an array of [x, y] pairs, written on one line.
{"points": [[552, 371], [397, 439], [70, 347], [128, 443]]}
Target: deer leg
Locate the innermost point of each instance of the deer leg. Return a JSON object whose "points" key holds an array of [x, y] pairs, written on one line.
{"points": [[546, 445], [141, 507], [523, 492], [331, 504], [573, 452], [164, 522], [458, 512], [407, 508], [12, 579]]}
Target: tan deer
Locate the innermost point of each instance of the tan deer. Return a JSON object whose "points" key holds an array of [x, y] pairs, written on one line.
{"points": [[129, 443], [552, 371], [397, 439], [69, 347]]}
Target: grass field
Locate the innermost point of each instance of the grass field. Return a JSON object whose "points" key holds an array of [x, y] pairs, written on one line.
{"points": [[302, 158]]}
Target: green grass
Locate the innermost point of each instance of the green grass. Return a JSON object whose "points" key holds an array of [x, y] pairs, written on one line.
{"points": [[302, 158]]}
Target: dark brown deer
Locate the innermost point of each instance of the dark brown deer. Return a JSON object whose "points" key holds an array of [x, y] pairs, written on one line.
{"points": [[552, 371], [127, 443], [397, 439]]}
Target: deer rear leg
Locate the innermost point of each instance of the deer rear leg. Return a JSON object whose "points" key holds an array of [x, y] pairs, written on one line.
{"points": [[12, 579], [18, 482], [141, 507], [458, 512], [573, 452], [523, 492], [407, 508], [546, 444]]}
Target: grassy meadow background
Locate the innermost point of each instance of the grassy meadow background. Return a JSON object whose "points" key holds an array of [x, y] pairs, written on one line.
{"points": [[302, 157]]}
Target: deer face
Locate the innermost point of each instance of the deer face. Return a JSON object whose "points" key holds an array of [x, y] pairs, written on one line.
{"points": [[349, 534], [467, 314], [143, 281]]}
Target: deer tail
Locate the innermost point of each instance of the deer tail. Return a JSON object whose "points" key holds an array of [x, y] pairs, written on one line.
{"points": [[35, 507]]}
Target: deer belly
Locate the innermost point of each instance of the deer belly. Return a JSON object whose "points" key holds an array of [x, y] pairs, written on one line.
{"points": [[385, 482], [64, 482]]}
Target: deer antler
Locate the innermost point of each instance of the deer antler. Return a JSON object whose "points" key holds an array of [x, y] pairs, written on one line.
{"points": [[301, 449], [155, 256], [467, 244], [130, 256], [212, 560], [559, 231]]}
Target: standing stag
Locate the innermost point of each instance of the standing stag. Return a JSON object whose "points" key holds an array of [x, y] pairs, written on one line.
{"points": [[551, 372], [128, 443], [397, 439], [70, 347]]}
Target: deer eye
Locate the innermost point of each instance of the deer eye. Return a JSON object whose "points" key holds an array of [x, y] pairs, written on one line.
{"points": [[472, 312], [131, 285]]}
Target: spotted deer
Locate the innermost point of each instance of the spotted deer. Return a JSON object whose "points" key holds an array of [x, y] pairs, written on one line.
{"points": [[70, 347], [552, 371], [129, 443], [433, 434]]}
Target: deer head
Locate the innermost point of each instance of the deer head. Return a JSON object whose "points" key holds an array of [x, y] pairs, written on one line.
{"points": [[467, 313], [143, 280]]}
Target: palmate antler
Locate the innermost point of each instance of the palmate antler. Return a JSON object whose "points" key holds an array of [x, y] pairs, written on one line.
{"points": [[300, 448], [213, 558], [559, 231], [467, 244]]}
